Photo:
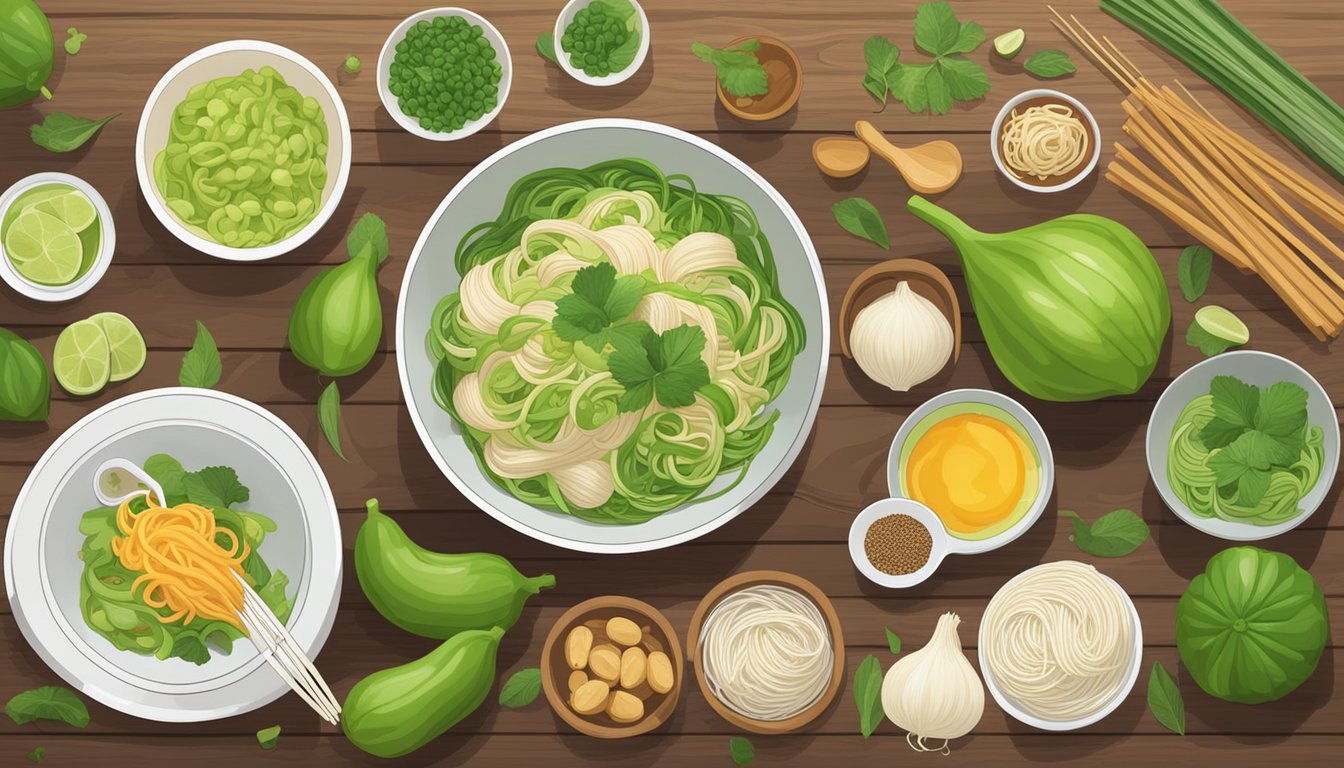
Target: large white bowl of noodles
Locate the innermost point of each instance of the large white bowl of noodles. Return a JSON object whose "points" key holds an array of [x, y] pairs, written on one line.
{"points": [[479, 197]]}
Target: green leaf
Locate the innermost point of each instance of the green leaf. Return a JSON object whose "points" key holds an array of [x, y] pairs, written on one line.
{"points": [[1235, 406], [215, 487], [860, 218], [329, 417], [741, 750], [883, 58], [50, 702], [1282, 409], [272, 592], [546, 46], [60, 132], [940, 99], [666, 365], [893, 642], [868, 694], [170, 476], [269, 738], [201, 366], [966, 80], [352, 64], [738, 70], [1164, 699], [1208, 344], [521, 688], [910, 87], [599, 298], [1114, 534], [1192, 271], [369, 232], [969, 38], [36, 755], [937, 29], [624, 54], [74, 41], [189, 646], [1049, 64]]}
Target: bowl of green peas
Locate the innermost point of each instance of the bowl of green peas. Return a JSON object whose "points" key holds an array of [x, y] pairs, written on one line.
{"points": [[601, 42], [444, 73]]}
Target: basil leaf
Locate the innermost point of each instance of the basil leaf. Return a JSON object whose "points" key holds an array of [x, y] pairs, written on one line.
{"points": [[858, 217], [1192, 271], [868, 694], [893, 642], [329, 417], [268, 738], [546, 46], [189, 646], [1164, 700], [1049, 64], [521, 688], [742, 751], [201, 366], [1114, 534], [50, 702], [60, 132]]}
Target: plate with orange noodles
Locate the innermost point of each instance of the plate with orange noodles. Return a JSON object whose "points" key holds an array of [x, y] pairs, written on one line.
{"points": [[135, 605]]}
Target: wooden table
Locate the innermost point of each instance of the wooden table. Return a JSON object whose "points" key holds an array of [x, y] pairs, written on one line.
{"points": [[801, 526]]}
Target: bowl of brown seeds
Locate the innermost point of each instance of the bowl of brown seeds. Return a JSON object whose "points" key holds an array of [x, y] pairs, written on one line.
{"points": [[897, 543]]}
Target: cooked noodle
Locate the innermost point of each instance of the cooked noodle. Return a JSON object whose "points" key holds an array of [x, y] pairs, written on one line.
{"points": [[767, 652], [1044, 141]]}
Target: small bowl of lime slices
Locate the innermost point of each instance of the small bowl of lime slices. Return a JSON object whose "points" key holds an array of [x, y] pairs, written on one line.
{"points": [[56, 237]]}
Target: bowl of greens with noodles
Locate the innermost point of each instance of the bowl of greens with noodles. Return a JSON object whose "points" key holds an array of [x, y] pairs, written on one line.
{"points": [[1244, 445], [614, 336]]}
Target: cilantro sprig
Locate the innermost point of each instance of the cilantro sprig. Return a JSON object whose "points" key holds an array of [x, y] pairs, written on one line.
{"points": [[931, 85], [1252, 432], [599, 301], [664, 365], [739, 71]]}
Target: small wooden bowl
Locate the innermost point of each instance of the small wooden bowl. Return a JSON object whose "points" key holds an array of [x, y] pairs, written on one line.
{"points": [[880, 279], [772, 53], [741, 581], [555, 671]]}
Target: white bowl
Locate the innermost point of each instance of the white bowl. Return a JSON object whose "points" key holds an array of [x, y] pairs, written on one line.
{"points": [[884, 508], [412, 125], [199, 427], [1064, 97], [224, 59], [430, 273], [1035, 434], [562, 22], [85, 282], [1260, 369], [1010, 706]]}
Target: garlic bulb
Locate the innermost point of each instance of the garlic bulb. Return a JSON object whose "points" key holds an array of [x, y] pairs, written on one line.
{"points": [[901, 339], [934, 693]]}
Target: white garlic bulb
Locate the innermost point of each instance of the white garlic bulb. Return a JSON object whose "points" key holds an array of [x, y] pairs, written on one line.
{"points": [[901, 339], [934, 693]]}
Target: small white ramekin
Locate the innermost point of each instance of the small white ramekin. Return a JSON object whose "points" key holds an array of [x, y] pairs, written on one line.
{"points": [[85, 282], [1036, 93], [562, 23]]}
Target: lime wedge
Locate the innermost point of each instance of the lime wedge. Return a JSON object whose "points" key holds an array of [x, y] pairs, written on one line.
{"points": [[125, 345], [81, 360], [72, 207], [1221, 323], [44, 249], [1009, 44]]}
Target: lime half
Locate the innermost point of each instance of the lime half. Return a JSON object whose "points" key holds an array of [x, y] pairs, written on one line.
{"points": [[1221, 323], [72, 207], [1009, 44], [44, 249], [81, 360], [125, 345]]}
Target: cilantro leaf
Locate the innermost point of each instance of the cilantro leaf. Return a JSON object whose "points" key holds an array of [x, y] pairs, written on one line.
{"points": [[934, 85], [739, 71], [666, 366], [215, 487], [937, 29], [624, 335], [599, 299], [189, 646], [966, 80]]}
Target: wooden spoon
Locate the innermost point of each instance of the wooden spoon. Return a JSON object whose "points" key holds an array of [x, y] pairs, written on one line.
{"points": [[928, 168], [880, 279], [840, 157]]}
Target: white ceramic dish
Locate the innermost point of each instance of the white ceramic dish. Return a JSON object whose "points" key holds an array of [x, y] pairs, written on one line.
{"points": [[1261, 369], [1012, 708], [858, 530], [1041, 444], [222, 60], [430, 274], [85, 282], [412, 125], [1035, 93], [201, 428], [563, 21]]}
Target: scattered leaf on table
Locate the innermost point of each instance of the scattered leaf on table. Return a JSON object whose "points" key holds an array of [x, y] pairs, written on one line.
{"points": [[893, 642], [74, 40], [858, 217], [546, 46], [1164, 699], [1114, 534], [521, 688], [329, 417], [1049, 64], [742, 751], [60, 132], [201, 366], [50, 702], [269, 738], [1192, 271], [36, 755], [868, 694], [883, 59]]}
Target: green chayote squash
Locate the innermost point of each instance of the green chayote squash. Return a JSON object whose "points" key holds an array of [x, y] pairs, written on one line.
{"points": [[25, 388], [27, 51], [338, 319], [1252, 627], [1074, 308]]}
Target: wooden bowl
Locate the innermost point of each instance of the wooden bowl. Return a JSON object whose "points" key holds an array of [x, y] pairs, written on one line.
{"points": [[555, 670], [880, 279], [785, 86], [750, 579]]}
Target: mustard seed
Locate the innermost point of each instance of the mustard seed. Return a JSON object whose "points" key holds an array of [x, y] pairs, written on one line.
{"points": [[897, 544]]}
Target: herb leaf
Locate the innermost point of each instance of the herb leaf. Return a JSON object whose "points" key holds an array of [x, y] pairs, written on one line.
{"points": [[188, 646], [521, 688], [1114, 534], [910, 87], [1192, 271], [966, 80], [369, 232], [741, 750], [599, 299], [868, 694], [201, 366], [1208, 344], [215, 487], [934, 85], [74, 41], [546, 46], [893, 642], [1049, 64], [665, 365], [883, 58], [269, 738], [739, 71], [36, 755], [50, 702], [60, 132], [1164, 699], [937, 29], [859, 217], [329, 417]]}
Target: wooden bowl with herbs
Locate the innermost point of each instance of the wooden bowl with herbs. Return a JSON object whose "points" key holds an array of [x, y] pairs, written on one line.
{"points": [[783, 76]]}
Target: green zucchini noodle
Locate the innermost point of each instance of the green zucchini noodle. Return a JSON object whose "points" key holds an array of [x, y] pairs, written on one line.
{"points": [[1196, 485], [541, 413]]}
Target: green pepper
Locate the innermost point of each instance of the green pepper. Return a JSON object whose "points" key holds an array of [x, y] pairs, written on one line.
{"points": [[434, 594], [396, 711]]}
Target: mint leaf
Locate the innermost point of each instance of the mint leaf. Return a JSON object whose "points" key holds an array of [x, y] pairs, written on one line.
{"points": [[1114, 534], [883, 58], [546, 46], [937, 29], [940, 99], [1252, 486], [599, 299], [1193, 268], [269, 738], [741, 750], [329, 417], [1206, 342], [861, 219], [60, 132], [1049, 64], [738, 70], [1164, 700], [170, 475], [893, 642], [966, 80], [1235, 405], [521, 688], [189, 646], [201, 366], [215, 487], [969, 38], [1283, 409], [666, 366], [50, 702], [910, 89], [868, 694], [1230, 462]]}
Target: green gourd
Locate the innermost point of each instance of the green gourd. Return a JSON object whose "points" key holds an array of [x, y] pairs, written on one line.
{"points": [[338, 319], [434, 594], [25, 387], [1074, 308], [27, 52], [396, 711]]}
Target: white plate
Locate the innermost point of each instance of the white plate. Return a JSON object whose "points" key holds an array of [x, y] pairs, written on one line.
{"points": [[200, 428], [479, 197], [107, 244], [1261, 369]]}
